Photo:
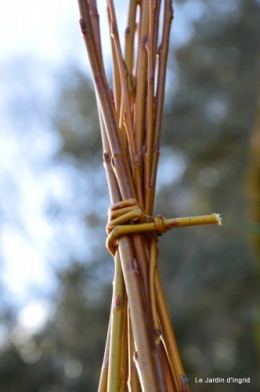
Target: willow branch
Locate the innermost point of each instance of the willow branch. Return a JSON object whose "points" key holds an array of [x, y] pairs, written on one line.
{"points": [[159, 224], [116, 335], [102, 386], [130, 35], [141, 76], [168, 336], [150, 112], [133, 379], [152, 291], [138, 320], [124, 354], [123, 71], [162, 62]]}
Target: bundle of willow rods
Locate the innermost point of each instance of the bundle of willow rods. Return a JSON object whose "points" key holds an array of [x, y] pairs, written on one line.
{"points": [[141, 352]]}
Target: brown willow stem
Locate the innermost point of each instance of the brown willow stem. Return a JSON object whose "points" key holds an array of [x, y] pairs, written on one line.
{"points": [[142, 254], [95, 26], [150, 118], [119, 164], [115, 197], [141, 76], [145, 363], [169, 374], [130, 35], [156, 27], [135, 159], [163, 55], [168, 335]]}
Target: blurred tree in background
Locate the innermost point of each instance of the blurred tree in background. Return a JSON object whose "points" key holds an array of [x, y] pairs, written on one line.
{"points": [[207, 164], [254, 176]]}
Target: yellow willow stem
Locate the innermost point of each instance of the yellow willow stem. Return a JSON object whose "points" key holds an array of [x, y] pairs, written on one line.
{"points": [[195, 220], [145, 362], [117, 323], [124, 354], [142, 254], [171, 386], [171, 347], [117, 92], [152, 291], [116, 84], [119, 102], [102, 386], [130, 35], [129, 49], [159, 224], [133, 379]]}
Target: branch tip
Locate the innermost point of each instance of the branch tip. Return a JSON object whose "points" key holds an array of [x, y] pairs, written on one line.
{"points": [[219, 219]]}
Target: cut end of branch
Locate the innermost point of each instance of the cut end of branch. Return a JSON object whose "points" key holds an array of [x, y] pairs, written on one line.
{"points": [[218, 218]]}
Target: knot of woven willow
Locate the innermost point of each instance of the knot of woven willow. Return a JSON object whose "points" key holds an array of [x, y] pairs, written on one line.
{"points": [[160, 224], [128, 217]]}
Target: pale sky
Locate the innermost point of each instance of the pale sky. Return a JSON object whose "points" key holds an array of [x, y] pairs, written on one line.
{"points": [[44, 29], [47, 32]]}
